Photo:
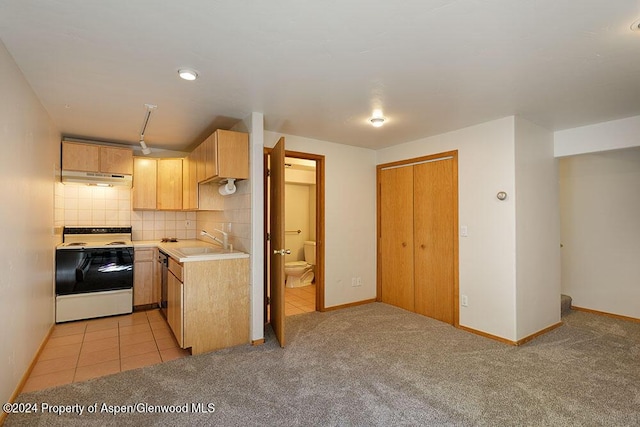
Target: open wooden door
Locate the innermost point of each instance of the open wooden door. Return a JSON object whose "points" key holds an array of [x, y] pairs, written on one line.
{"points": [[277, 252]]}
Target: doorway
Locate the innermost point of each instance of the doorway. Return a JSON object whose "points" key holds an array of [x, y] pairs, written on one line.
{"points": [[303, 225]]}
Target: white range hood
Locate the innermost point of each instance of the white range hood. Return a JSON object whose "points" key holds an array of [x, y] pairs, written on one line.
{"points": [[97, 178]]}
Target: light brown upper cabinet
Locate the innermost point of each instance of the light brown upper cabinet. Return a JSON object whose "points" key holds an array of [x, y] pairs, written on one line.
{"points": [[145, 186], [226, 156], [170, 184], [190, 182], [96, 158], [417, 235], [157, 184]]}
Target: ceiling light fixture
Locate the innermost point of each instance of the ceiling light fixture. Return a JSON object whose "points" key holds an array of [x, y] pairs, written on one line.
{"points": [[377, 121], [636, 25], [187, 74], [150, 107]]}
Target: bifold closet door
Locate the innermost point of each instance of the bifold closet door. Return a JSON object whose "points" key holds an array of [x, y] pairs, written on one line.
{"points": [[434, 234], [396, 237]]}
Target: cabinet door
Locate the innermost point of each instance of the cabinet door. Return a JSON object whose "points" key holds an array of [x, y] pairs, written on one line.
{"points": [[434, 235], [211, 156], [186, 188], [193, 182], [143, 277], [80, 157], [396, 237], [170, 184], [232, 154], [200, 155], [175, 307], [145, 175], [116, 160]]}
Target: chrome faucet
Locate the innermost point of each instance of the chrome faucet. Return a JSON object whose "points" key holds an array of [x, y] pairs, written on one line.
{"points": [[225, 238]]}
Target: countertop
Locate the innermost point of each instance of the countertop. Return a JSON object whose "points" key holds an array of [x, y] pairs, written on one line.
{"points": [[170, 249]]}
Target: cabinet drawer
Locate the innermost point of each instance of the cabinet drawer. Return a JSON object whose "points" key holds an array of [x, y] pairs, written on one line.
{"points": [[176, 268], [143, 255]]}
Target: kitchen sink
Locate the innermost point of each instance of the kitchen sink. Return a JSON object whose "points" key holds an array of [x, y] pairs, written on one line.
{"points": [[197, 251]]}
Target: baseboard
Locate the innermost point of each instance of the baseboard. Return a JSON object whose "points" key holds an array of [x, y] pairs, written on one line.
{"points": [[537, 334], [509, 342], [486, 335], [257, 342], [351, 304], [27, 373], [604, 313]]}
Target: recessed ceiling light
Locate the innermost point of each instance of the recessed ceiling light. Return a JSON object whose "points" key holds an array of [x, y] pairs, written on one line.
{"points": [[377, 121], [635, 26], [187, 74]]}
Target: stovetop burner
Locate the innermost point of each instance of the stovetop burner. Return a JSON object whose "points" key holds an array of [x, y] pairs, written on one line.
{"points": [[77, 244], [116, 243]]}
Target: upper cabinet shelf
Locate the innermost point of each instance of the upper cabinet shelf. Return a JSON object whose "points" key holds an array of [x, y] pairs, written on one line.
{"points": [[96, 158]]}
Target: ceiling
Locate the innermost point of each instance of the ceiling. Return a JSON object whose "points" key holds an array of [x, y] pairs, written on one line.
{"points": [[319, 68]]}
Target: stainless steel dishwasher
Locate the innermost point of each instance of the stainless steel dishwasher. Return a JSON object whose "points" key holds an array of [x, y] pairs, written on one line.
{"points": [[163, 260]]}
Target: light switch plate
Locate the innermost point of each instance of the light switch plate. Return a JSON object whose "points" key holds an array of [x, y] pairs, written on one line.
{"points": [[464, 231]]}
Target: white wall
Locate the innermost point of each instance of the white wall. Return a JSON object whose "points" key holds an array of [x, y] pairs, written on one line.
{"points": [[254, 125], [612, 135], [537, 229], [350, 216], [600, 208], [487, 256], [30, 158]]}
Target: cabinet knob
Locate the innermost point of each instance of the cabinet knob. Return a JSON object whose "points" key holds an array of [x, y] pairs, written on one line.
{"points": [[404, 244], [422, 246]]}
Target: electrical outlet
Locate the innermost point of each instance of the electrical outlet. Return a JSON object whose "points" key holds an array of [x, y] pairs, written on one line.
{"points": [[359, 281], [464, 300], [187, 224], [354, 283]]}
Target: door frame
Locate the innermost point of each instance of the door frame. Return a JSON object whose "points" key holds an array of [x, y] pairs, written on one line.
{"points": [[456, 239], [320, 224]]}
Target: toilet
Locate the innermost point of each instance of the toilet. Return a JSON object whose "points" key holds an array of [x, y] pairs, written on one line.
{"points": [[300, 273]]}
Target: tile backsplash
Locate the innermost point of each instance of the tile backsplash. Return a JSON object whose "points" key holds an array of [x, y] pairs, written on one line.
{"points": [[85, 206]]}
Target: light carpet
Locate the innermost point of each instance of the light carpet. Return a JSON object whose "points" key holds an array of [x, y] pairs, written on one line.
{"points": [[379, 365]]}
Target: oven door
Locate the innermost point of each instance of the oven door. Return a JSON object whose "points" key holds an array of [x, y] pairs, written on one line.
{"points": [[93, 270]]}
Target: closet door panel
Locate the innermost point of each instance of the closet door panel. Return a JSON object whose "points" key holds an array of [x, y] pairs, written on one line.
{"points": [[396, 237], [434, 223]]}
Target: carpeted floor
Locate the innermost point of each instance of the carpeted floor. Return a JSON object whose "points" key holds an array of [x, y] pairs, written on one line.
{"points": [[380, 365]]}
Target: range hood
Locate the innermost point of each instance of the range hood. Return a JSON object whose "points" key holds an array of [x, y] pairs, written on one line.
{"points": [[97, 178]]}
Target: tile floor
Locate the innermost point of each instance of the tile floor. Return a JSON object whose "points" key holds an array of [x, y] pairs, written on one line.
{"points": [[299, 300], [78, 351]]}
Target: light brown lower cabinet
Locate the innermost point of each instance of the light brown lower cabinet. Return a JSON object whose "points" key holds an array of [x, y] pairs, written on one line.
{"points": [[208, 303], [144, 277], [175, 306]]}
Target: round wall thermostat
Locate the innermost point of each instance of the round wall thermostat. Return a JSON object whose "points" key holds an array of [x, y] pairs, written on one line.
{"points": [[501, 195]]}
